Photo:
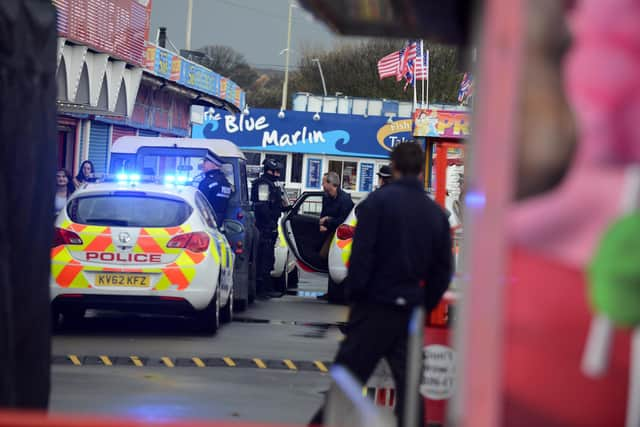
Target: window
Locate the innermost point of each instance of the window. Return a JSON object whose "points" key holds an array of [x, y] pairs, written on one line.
{"points": [[348, 172], [205, 210], [296, 167], [254, 165], [129, 209], [314, 173], [312, 206]]}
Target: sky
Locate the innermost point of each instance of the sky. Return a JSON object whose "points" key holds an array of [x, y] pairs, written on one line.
{"points": [[255, 28]]}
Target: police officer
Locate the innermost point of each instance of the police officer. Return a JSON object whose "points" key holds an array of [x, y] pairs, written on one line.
{"points": [[401, 259], [268, 205], [216, 188]]}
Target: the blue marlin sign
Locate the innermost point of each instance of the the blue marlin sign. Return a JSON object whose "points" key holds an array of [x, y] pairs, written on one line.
{"points": [[298, 132]]}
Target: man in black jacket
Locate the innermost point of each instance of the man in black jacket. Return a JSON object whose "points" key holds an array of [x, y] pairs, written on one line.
{"points": [[336, 204], [216, 188], [267, 198], [401, 259]]}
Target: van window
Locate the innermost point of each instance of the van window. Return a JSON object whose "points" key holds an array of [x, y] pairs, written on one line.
{"points": [[206, 212], [122, 163]]}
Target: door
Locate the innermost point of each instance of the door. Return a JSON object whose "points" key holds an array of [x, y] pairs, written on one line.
{"points": [[302, 231]]}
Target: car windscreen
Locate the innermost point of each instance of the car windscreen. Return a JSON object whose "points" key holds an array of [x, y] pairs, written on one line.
{"points": [[128, 210]]}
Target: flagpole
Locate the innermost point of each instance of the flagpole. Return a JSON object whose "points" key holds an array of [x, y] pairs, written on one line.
{"points": [[428, 77], [415, 91], [423, 69]]}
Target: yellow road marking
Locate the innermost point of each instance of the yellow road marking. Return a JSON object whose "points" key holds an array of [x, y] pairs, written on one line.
{"points": [[260, 363], [74, 359], [168, 362], [290, 364], [106, 361], [199, 363], [229, 361], [136, 361], [321, 366]]}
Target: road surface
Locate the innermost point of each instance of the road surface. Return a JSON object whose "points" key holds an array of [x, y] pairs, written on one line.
{"points": [[269, 364]]}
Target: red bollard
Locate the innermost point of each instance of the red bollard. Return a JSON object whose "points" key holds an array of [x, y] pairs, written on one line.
{"points": [[439, 361]]}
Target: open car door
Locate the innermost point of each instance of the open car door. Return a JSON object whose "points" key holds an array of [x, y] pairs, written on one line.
{"points": [[301, 227]]}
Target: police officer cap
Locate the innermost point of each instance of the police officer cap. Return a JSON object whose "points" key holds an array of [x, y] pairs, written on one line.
{"points": [[271, 165], [385, 172]]}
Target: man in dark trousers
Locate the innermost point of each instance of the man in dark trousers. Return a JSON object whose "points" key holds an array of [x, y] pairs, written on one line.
{"points": [[401, 259], [216, 188], [268, 205]]}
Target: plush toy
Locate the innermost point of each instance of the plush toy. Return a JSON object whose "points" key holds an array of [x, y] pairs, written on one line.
{"points": [[614, 293]]}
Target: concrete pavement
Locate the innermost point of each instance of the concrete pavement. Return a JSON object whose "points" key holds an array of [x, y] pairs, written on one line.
{"points": [[292, 328]]}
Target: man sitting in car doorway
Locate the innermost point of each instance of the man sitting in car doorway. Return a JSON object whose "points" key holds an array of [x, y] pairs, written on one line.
{"points": [[336, 206]]}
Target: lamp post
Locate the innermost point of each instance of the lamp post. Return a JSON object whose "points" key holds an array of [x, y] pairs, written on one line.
{"points": [[285, 84], [324, 85], [187, 39]]}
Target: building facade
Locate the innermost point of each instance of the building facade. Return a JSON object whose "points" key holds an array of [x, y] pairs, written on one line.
{"points": [[310, 144], [113, 82]]}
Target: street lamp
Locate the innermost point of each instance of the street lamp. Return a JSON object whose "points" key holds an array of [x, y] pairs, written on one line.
{"points": [[324, 85], [285, 84], [187, 39]]}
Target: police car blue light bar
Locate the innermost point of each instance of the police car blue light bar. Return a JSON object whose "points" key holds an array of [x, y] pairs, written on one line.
{"points": [[124, 178], [176, 179]]}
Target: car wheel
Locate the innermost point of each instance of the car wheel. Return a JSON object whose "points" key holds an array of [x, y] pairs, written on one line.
{"points": [[293, 279], [55, 320], [252, 279], [227, 311], [280, 284], [208, 320], [335, 292], [72, 316]]}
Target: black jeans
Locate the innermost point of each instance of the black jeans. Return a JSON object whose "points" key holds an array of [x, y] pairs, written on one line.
{"points": [[373, 332], [265, 261]]}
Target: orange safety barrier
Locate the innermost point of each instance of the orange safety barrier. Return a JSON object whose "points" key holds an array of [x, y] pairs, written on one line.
{"points": [[439, 360]]}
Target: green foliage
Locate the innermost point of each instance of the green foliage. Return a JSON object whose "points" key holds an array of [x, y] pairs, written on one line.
{"points": [[350, 68]]}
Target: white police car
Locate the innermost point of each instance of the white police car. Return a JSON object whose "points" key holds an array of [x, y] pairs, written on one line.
{"points": [[144, 247]]}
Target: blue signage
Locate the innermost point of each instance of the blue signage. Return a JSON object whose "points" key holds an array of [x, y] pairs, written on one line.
{"points": [[366, 177], [298, 132], [314, 173]]}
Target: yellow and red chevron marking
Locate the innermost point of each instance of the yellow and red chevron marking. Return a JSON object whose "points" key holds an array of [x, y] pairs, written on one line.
{"points": [[68, 272]]}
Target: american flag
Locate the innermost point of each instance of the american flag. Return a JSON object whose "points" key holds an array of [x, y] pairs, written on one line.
{"points": [[422, 66], [407, 59], [389, 66], [405, 64], [466, 89]]}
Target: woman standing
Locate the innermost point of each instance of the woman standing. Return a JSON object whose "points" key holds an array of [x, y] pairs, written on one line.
{"points": [[85, 175], [64, 189]]}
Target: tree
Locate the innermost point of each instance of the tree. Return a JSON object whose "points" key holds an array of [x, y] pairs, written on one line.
{"points": [[352, 70], [228, 62], [267, 90]]}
